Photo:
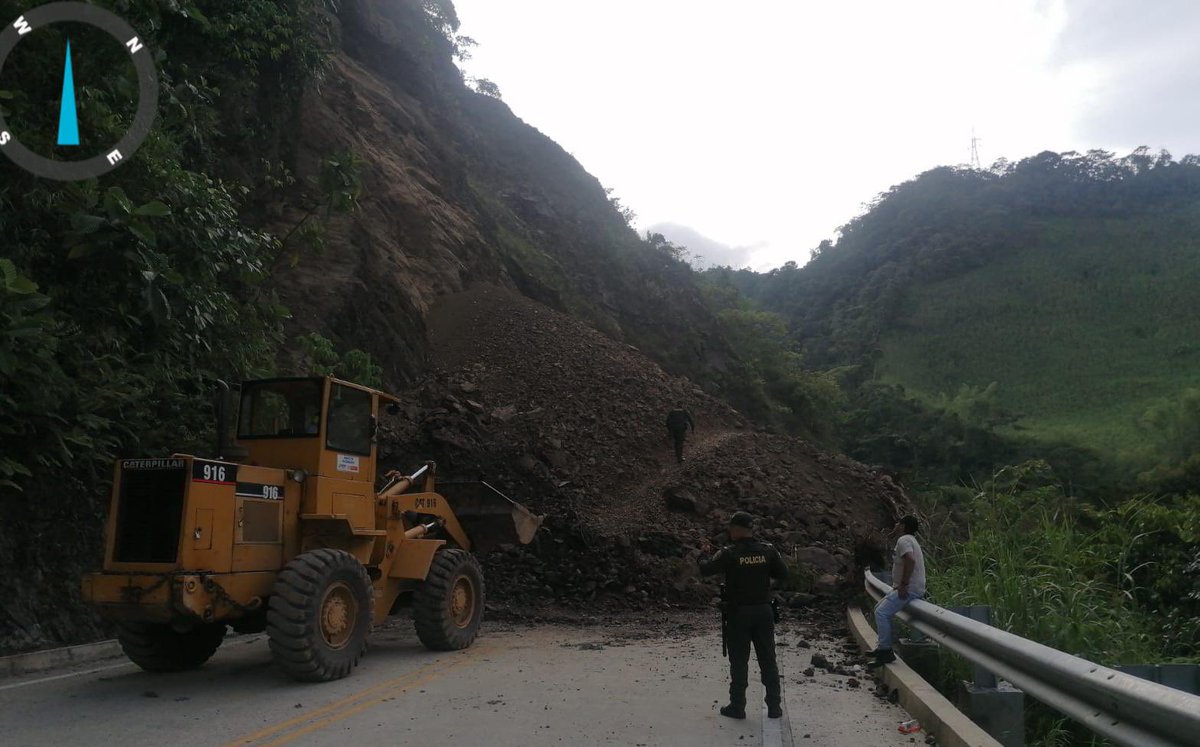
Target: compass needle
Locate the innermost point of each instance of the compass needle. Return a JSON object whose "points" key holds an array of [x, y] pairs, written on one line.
{"points": [[68, 120]]}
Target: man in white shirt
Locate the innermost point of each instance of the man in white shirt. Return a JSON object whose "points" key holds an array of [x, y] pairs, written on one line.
{"points": [[908, 579]]}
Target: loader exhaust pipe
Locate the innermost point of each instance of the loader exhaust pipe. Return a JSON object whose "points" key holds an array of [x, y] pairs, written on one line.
{"points": [[222, 405]]}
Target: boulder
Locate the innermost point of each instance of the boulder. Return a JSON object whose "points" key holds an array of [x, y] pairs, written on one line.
{"points": [[799, 600], [681, 499], [819, 559]]}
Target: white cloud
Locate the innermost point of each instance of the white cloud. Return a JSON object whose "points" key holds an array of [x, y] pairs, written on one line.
{"points": [[774, 121]]}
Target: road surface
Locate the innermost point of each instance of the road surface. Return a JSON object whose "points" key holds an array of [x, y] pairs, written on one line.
{"points": [[536, 686]]}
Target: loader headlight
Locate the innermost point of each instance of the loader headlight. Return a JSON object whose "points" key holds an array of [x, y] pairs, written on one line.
{"points": [[298, 475]]}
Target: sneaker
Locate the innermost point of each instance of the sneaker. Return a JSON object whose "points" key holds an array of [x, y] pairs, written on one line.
{"points": [[774, 711], [882, 656], [733, 712]]}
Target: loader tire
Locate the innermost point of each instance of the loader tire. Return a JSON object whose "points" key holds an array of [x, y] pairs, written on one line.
{"points": [[320, 615], [160, 648], [448, 605]]}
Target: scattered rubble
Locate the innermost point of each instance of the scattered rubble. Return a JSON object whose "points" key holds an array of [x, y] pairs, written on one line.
{"points": [[571, 423]]}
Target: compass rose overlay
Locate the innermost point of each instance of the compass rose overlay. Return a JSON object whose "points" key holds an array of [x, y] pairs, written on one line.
{"points": [[44, 15]]}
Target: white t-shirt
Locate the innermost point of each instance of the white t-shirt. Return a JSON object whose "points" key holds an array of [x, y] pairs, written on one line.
{"points": [[916, 582]]}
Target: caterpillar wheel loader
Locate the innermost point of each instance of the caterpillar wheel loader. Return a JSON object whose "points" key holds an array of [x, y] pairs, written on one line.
{"points": [[286, 531]]}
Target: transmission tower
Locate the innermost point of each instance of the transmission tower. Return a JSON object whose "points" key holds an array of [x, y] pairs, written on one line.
{"points": [[975, 164]]}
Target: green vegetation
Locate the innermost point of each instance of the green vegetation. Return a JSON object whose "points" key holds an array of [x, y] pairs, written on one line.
{"points": [[1083, 329], [321, 358], [120, 303], [1110, 584], [1056, 590], [1061, 285]]}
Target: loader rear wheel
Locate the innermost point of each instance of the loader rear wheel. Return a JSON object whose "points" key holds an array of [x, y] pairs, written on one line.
{"points": [[320, 615], [448, 605], [160, 648]]}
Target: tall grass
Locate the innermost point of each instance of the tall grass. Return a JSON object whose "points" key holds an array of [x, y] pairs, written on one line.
{"points": [[1028, 555], [1052, 570]]}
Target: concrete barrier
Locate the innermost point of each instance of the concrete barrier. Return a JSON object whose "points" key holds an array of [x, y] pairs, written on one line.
{"points": [[41, 661], [937, 715]]}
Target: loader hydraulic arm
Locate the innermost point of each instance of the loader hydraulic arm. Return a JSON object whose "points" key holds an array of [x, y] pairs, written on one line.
{"points": [[398, 483]]}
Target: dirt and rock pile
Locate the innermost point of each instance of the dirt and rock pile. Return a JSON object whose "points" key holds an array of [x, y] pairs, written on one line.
{"points": [[572, 423]]}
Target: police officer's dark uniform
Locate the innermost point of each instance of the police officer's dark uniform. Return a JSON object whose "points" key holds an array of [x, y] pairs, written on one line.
{"points": [[749, 565], [678, 422]]}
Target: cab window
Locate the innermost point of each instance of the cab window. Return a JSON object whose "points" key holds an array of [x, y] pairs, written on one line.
{"points": [[280, 409], [349, 423]]}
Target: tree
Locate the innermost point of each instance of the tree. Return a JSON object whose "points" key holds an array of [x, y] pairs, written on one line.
{"points": [[626, 212], [442, 15], [487, 87]]}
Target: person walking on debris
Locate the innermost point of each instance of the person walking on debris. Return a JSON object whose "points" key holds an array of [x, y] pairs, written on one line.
{"points": [[908, 577], [749, 565], [678, 422]]}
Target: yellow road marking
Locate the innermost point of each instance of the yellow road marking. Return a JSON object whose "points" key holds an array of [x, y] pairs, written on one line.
{"points": [[365, 705], [355, 698], [268, 731]]}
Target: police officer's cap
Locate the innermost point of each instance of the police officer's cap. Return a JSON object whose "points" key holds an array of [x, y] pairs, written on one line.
{"points": [[742, 519]]}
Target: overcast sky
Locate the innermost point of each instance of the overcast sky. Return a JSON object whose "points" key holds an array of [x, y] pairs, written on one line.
{"points": [[766, 124]]}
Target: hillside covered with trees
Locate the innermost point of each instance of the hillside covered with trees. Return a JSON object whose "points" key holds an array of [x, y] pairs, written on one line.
{"points": [[1048, 302]]}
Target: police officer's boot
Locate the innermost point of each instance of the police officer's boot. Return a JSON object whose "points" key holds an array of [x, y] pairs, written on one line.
{"points": [[733, 711], [774, 710]]}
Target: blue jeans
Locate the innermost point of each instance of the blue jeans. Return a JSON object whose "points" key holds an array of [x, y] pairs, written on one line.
{"points": [[885, 611]]}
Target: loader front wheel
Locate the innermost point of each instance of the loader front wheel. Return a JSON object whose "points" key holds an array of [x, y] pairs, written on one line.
{"points": [[160, 648], [320, 615], [448, 605]]}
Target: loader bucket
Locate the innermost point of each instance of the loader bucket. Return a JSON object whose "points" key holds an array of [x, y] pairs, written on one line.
{"points": [[489, 517]]}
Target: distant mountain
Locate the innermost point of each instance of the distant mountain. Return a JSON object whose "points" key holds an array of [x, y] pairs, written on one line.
{"points": [[1067, 280], [704, 251]]}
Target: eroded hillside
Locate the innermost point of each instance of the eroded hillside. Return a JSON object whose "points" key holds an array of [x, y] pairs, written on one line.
{"points": [[457, 189]]}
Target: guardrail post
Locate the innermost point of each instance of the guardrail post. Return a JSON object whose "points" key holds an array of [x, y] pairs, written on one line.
{"points": [[982, 677], [999, 710], [996, 706], [1185, 677]]}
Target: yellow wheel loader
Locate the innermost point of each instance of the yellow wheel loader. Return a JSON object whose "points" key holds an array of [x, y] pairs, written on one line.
{"points": [[286, 531]]}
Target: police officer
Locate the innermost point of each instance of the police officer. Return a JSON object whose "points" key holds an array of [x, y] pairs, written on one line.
{"points": [[749, 565]]}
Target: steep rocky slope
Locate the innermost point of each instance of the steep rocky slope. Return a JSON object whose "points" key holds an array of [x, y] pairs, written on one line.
{"points": [[457, 189], [570, 422]]}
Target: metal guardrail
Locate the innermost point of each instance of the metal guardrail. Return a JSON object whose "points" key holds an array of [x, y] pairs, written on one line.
{"points": [[1128, 710]]}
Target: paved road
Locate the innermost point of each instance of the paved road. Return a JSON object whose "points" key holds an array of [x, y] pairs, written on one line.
{"points": [[529, 687]]}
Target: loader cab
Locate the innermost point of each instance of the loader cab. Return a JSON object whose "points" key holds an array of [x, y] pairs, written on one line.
{"points": [[323, 426]]}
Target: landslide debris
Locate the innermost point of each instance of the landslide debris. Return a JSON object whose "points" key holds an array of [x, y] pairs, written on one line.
{"points": [[571, 423]]}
